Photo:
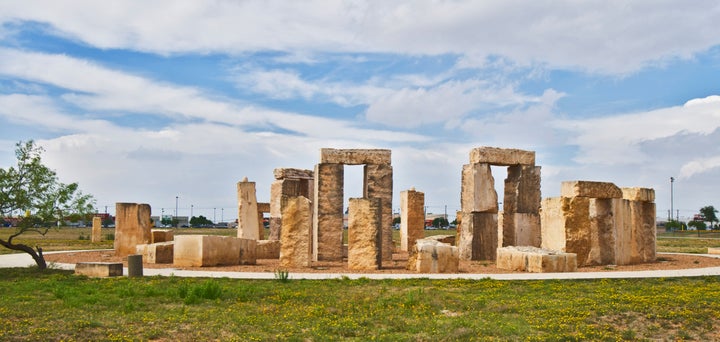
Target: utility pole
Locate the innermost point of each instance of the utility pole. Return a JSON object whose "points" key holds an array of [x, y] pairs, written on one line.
{"points": [[176, 212], [672, 180]]}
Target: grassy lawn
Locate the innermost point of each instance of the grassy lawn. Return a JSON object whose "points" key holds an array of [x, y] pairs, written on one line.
{"points": [[56, 305]]}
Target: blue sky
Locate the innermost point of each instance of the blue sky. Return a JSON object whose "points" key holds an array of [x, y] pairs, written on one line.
{"points": [[143, 102]]}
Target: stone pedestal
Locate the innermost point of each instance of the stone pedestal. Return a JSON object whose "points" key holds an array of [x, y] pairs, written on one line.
{"points": [[132, 227], [296, 234], [364, 234], [412, 218]]}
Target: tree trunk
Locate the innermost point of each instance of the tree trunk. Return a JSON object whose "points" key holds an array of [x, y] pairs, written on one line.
{"points": [[37, 256]]}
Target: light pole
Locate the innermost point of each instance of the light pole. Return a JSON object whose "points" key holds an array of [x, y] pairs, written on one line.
{"points": [[177, 222], [672, 180], [222, 214], [214, 215], [191, 213]]}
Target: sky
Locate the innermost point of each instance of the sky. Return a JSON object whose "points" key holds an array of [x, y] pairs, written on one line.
{"points": [[171, 103]]}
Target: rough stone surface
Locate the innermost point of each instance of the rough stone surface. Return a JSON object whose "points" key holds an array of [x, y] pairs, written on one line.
{"points": [[248, 251], [364, 234], [247, 211], [448, 239], [713, 251], [566, 226], [132, 227], [522, 190], [156, 253], [355, 156], [478, 236], [533, 259], [638, 194], [590, 189], [99, 269], [501, 156], [206, 250], [412, 218], [296, 232], [290, 173], [96, 229], [433, 256], [267, 249], [478, 189], [161, 235], [263, 207], [603, 237], [520, 229], [378, 183], [328, 209]]}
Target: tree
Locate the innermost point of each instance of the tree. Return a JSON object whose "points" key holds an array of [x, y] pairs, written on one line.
{"points": [[32, 188], [708, 214], [199, 221], [699, 225], [440, 222]]}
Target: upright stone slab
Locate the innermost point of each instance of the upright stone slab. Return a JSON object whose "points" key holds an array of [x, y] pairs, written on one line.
{"points": [[566, 226], [603, 235], [478, 236], [364, 234], [478, 189], [247, 210], [378, 183], [412, 218], [296, 232], [643, 226], [328, 209], [521, 206], [262, 208], [132, 227], [96, 229]]}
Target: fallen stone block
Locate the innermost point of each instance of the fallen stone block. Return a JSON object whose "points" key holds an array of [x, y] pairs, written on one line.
{"points": [[161, 235], [536, 260], [99, 269], [432, 256], [267, 249], [157, 253], [206, 250]]}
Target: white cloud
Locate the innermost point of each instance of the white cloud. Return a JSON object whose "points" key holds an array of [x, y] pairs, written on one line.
{"points": [[698, 166], [591, 35]]}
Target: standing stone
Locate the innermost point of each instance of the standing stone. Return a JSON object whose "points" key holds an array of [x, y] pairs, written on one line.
{"points": [[412, 218], [97, 229], [602, 233], [328, 209], [478, 236], [521, 205], [132, 227], [478, 189], [378, 183], [364, 234], [296, 232], [263, 207], [247, 210], [642, 222]]}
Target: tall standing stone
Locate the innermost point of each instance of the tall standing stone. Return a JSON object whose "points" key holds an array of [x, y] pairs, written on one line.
{"points": [[378, 183], [521, 206], [412, 218], [247, 210], [364, 234], [97, 229], [478, 236], [296, 234], [132, 227], [328, 209]]}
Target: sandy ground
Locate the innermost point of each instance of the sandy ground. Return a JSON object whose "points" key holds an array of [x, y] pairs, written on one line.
{"points": [[397, 265]]}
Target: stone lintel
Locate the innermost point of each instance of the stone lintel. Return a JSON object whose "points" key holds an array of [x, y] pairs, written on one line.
{"points": [[289, 173], [263, 207], [355, 156], [639, 194], [501, 156], [590, 189]]}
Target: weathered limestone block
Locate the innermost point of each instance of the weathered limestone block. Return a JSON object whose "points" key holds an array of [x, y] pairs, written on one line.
{"points": [[99, 269], [206, 250], [533, 259], [432, 256], [290, 173], [520, 229], [157, 253], [328, 209], [590, 189], [643, 232], [296, 232], [354, 156], [161, 235], [248, 251], [478, 189], [364, 234], [247, 210], [713, 251], [412, 218], [378, 183], [96, 229], [267, 249], [132, 227], [501, 156], [263, 207], [478, 237], [603, 235], [566, 226], [522, 190], [638, 194], [448, 239]]}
